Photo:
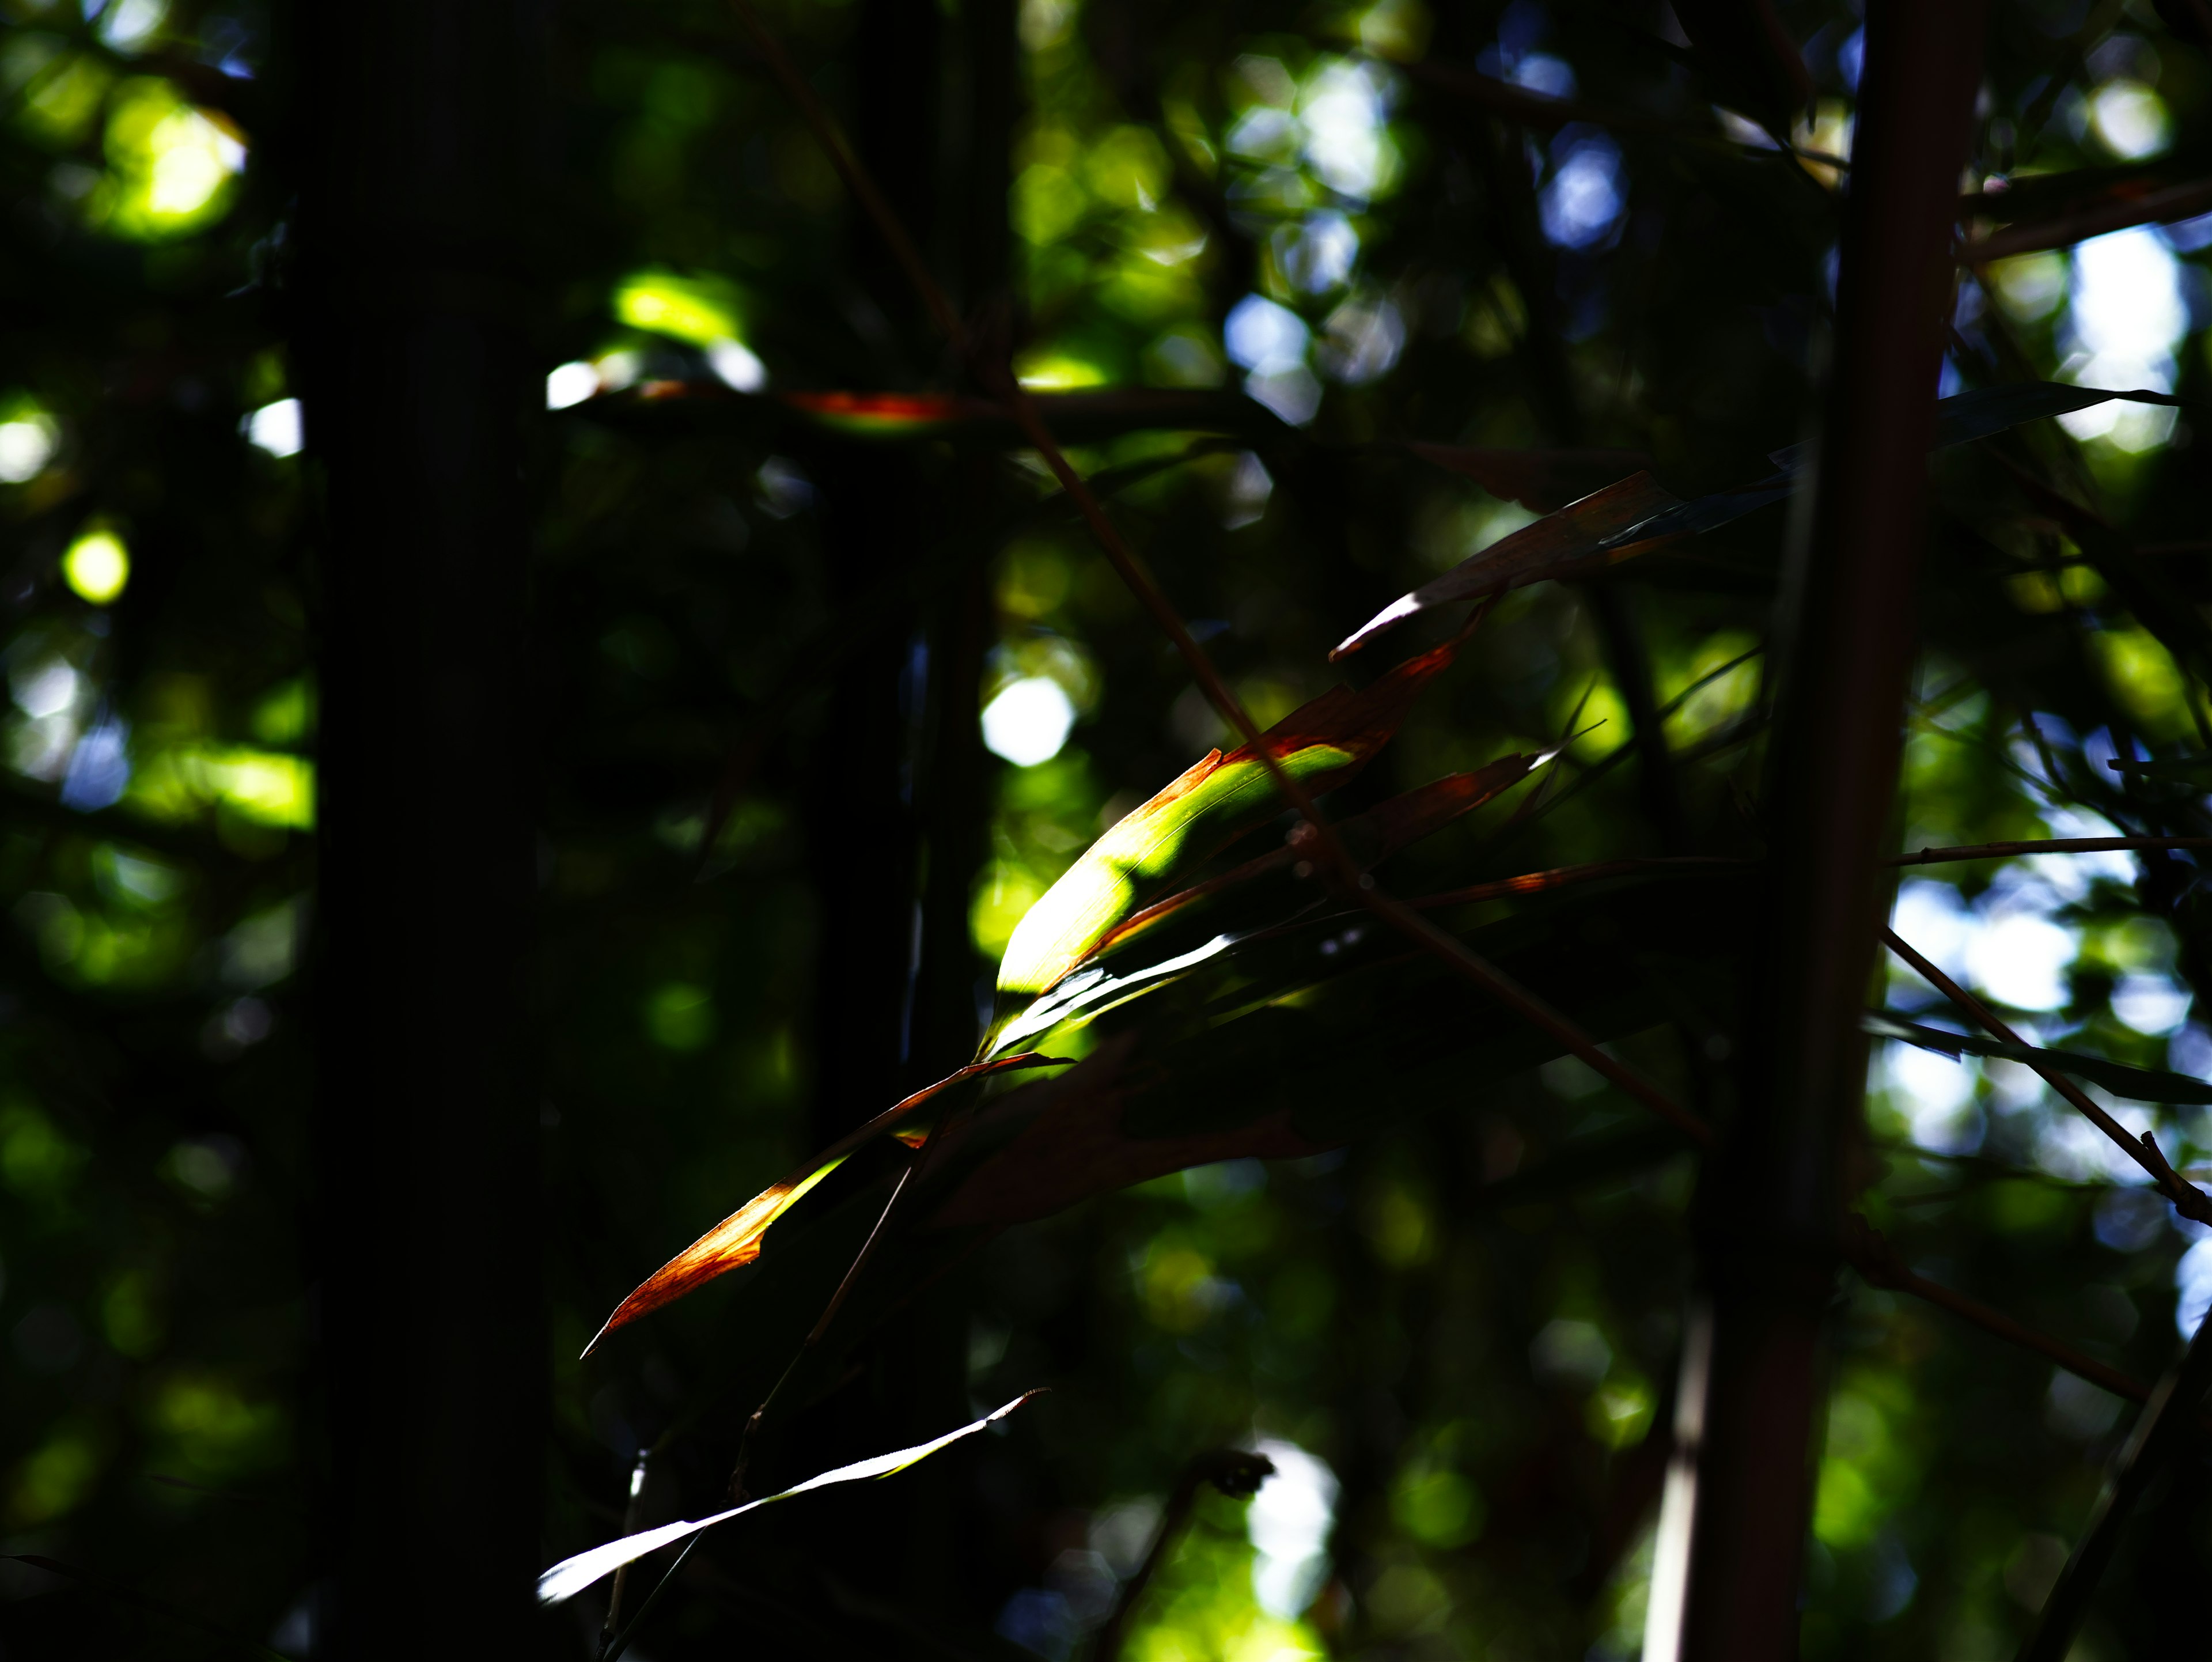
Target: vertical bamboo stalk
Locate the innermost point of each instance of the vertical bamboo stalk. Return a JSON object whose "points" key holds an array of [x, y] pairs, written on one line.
{"points": [[414, 120], [1732, 1530]]}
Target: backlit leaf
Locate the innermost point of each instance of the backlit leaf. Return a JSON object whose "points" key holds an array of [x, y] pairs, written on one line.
{"points": [[1217, 801], [1638, 515], [736, 1241], [1185, 927], [572, 1576], [1545, 480]]}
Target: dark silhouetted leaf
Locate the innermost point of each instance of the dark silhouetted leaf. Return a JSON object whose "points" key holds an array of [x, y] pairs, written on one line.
{"points": [[1545, 480], [1638, 515], [2114, 207], [2138, 1084]]}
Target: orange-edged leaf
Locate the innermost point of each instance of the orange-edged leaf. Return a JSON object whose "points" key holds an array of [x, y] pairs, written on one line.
{"points": [[1603, 523], [572, 1576], [736, 1241], [1217, 801], [1545, 480]]}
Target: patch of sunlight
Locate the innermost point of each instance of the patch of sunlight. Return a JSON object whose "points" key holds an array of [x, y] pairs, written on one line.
{"points": [[2141, 672], [97, 566], [2030, 286], [1128, 168], [1202, 1608], [29, 438], [279, 428], [1057, 372], [2130, 120], [698, 310], [1003, 895], [171, 166], [179, 782], [1029, 721]]}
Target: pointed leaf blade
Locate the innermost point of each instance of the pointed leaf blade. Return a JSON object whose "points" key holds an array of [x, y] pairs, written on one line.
{"points": [[1215, 801], [736, 1241], [572, 1576]]}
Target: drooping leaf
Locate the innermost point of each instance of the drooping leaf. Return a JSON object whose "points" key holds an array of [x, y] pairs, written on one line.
{"points": [[572, 1576], [1606, 524], [1217, 801], [1300, 1039], [2138, 1084], [1187, 926], [1545, 480], [1638, 515], [736, 1241]]}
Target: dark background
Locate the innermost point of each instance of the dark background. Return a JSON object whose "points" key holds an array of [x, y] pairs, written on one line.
{"points": [[376, 1012]]}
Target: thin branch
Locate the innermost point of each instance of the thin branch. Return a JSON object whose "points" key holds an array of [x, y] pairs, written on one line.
{"points": [[999, 380], [1233, 1472], [1873, 1259], [821, 1327], [1561, 877], [2190, 1203], [2049, 845]]}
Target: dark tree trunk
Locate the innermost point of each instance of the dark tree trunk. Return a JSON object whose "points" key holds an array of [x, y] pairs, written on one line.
{"points": [[416, 379], [863, 828], [1725, 1583]]}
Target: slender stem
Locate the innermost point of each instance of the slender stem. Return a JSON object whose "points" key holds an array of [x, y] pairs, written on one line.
{"points": [[2049, 845], [821, 1327], [1873, 1258], [1000, 382], [2150, 1448], [2191, 1202], [613, 1652], [630, 1520], [1234, 1471]]}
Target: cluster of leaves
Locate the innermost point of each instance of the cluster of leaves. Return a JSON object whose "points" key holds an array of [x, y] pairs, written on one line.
{"points": [[1335, 306]]}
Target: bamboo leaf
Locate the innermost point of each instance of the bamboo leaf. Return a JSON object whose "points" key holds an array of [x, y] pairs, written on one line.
{"points": [[572, 1576], [1638, 515], [1604, 521], [736, 1241], [2138, 1084], [1545, 480], [1191, 925], [1217, 801]]}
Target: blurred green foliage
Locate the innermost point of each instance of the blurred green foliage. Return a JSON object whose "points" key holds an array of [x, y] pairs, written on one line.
{"points": [[1469, 1322]]}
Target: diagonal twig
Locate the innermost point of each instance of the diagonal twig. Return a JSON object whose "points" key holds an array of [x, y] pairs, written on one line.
{"points": [[2150, 1448], [1873, 1257], [2191, 1202], [2048, 845], [999, 380]]}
